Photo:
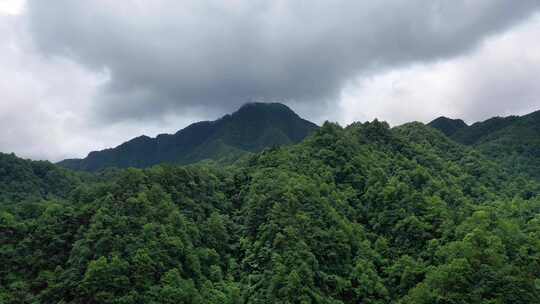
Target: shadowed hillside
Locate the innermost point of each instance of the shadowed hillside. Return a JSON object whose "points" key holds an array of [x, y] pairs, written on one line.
{"points": [[447, 125], [253, 127]]}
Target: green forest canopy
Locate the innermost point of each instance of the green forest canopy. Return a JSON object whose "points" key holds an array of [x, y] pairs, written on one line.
{"points": [[362, 214]]}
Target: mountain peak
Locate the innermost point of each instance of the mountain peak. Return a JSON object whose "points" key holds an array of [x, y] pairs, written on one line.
{"points": [[258, 108], [265, 105], [253, 127], [448, 126]]}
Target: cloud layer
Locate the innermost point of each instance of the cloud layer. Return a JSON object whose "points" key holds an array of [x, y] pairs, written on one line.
{"points": [[46, 103], [171, 56]]}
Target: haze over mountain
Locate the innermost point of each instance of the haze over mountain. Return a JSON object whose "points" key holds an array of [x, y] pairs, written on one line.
{"points": [[253, 127]]}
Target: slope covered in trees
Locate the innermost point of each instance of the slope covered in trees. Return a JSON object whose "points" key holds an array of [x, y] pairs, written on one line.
{"points": [[253, 127], [512, 141], [26, 180], [363, 214]]}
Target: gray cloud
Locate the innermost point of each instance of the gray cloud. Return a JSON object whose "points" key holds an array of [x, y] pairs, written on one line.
{"points": [[498, 78], [46, 103], [168, 56], [79, 76]]}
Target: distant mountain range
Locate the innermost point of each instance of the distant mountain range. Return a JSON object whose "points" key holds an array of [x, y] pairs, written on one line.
{"points": [[513, 141], [252, 128]]}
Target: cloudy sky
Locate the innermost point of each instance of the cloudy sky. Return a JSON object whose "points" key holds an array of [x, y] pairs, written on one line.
{"points": [[77, 76]]}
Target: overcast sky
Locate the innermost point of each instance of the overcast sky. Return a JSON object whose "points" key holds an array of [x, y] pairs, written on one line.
{"points": [[77, 76]]}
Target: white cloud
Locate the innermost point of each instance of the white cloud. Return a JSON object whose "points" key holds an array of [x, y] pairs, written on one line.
{"points": [[11, 7], [500, 77]]}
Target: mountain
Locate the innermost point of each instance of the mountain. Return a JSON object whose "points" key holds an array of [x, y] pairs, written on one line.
{"points": [[361, 214], [512, 141], [253, 127], [447, 125], [478, 131]]}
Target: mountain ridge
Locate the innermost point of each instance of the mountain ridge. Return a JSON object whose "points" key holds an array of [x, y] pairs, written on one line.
{"points": [[251, 128], [513, 141]]}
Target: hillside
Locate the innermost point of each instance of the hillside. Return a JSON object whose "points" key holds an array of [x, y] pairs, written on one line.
{"points": [[512, 141], [26, 180], [253, 127], [362, 214]]}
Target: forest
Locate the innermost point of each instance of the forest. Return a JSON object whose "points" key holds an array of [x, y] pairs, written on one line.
{"points": [[358, 214]]}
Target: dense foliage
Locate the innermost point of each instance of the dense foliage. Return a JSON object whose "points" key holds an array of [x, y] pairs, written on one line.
{"points": [[25, 180], [511, 141], [252, 128], [363, 214]]}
